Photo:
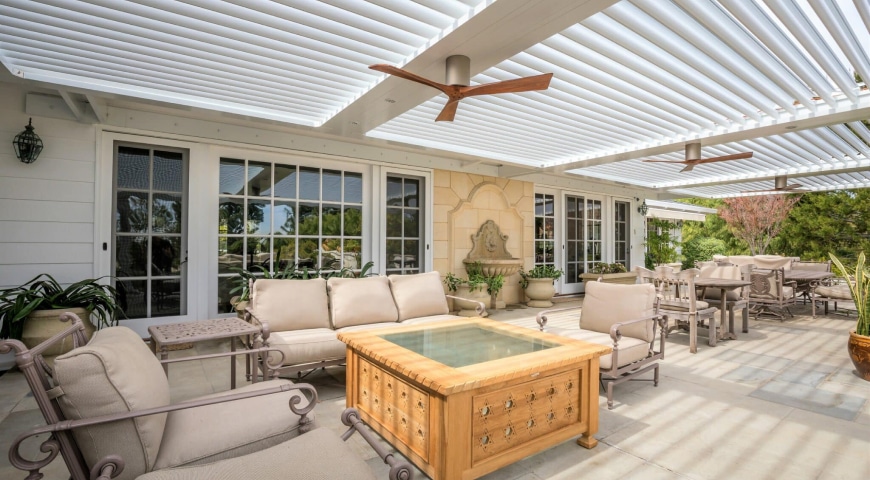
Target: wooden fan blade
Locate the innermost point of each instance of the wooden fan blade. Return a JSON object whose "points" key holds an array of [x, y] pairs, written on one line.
{"points": [[448, 112], [792, 186], [525, 84], [688, 168], [398, 72], [723, 158]]}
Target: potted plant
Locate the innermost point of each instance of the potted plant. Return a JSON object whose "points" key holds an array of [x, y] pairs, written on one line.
{"points": [[538, 285], [859, 338], [30, 312], [473, 288], [609, 273]]}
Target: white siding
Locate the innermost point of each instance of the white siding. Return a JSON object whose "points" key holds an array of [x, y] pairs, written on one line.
{"points": [[47, 207]]}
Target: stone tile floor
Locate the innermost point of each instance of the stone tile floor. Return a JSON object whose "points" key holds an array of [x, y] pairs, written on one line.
{"points": [[779, 402]]}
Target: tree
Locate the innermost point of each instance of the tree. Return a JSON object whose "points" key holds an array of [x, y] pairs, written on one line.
{"points": [[712, 227], [827, 222], [757, 219]]}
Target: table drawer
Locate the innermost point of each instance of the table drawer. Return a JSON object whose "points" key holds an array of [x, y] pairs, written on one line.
{"points": [[401, 408], [518, 414]]}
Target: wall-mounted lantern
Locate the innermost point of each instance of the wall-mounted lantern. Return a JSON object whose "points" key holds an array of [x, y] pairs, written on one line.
{"points": [[27, 144], [642, 208]]}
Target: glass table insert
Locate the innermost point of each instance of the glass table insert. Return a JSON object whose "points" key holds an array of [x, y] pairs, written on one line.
{"points": [[463, 345]]}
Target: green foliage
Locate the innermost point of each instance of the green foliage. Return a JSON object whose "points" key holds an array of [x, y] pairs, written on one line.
{"points": [[712, 227], [823, 222], [701, 249], [661, 247], [45, 293], [858, 279], [476, 280], [539, 271], [293, 272], [604, 267]]}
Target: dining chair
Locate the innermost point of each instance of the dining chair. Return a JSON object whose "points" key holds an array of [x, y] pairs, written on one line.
{"points": [[736, 300], [804, 287], [770, 294]]}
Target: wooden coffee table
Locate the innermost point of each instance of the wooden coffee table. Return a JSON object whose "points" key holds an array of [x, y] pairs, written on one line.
{"points": [[462, 398]]}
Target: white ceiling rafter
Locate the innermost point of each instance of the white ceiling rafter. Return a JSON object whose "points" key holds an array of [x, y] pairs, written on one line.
{"points": [[634, 79]]}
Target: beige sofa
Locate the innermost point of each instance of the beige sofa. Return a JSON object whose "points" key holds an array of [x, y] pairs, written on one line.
{"points": [[760, 261], [302, 318]]}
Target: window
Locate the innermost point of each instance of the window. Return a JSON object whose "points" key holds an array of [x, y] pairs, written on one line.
{"points": [[404, 235], [274, 217], [545, 222], [149, 231], [621, 229]]}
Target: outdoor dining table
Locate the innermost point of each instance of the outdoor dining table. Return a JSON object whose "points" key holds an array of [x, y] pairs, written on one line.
{"points": [[805, 275], [724, 285]]}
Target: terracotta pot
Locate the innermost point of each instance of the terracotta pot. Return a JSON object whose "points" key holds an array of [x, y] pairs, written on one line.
{"points": [[540, 292], [41, 325], [859, 352], [468, 309]]}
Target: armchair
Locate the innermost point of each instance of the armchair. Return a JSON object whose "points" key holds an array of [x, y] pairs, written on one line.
{"points": [[678, 302], [625, 317], [107, 412], [771, 294], [805, 287]]}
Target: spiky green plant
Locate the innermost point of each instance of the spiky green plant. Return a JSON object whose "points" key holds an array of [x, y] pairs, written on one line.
{"points": [[859, 285], [46, 293]]}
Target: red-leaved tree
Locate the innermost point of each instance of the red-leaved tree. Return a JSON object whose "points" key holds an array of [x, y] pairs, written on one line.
{"points": [[757, 219]]}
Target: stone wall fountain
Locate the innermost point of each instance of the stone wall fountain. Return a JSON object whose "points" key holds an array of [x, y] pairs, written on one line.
{"points": [[490, 251]]}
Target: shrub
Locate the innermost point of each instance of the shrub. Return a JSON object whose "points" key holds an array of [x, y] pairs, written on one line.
{"points": [[701, 249]]}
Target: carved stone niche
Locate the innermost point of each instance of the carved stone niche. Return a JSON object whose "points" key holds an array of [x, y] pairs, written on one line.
{"points": [[488, 248]]}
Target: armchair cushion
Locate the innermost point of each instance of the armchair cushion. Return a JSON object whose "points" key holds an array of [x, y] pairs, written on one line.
{"points": [[214, 432], [311, 456], [606, 304], [418, 295], [114, 373], [840, 292], [270, 298], [306, 346], [630, 349], [682, 306], [359, 301]]}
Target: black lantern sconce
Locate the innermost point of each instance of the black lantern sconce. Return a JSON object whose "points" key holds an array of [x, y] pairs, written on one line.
{"points": [[642, 208], [27, 144]]}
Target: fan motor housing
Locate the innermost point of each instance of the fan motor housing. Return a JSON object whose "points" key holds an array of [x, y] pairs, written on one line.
{"points": [[458, 70]]}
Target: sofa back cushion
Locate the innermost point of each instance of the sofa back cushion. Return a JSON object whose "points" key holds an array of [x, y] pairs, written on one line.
{"points": [[418, 295], [360, 301], [114, 373], [288, 305], [773, 262], [605, 304]]}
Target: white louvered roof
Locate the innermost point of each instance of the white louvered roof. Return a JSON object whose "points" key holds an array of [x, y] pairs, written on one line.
{"points": [[633, 80]]}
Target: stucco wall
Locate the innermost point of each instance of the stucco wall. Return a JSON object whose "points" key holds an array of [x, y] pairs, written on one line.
{"points": [[463, 202]]}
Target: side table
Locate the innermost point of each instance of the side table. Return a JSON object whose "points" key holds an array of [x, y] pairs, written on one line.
{"points": [[162, 336]]}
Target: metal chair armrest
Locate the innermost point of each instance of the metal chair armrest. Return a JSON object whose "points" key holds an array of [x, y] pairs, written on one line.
{"points": [[399, 469], [541, 317], [254, 320], [480, 307]]}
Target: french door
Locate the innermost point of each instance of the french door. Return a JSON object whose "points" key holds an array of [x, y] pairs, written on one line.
{"points": [[583, 239], [149, 230]]}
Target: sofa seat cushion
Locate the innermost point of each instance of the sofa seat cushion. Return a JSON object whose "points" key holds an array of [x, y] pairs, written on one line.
{"points": [[418, 295], [291, 304], [115, 373], [430, 319], [317, 455], [840, 292], [368, 326], [359, 301], [630, 349], [214, 432], [306, 346]]}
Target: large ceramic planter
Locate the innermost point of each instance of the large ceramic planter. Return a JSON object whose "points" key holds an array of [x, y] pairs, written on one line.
{"points": [[44, 324], [469, 309], [540, 292], [627, 278], [859, 352]]}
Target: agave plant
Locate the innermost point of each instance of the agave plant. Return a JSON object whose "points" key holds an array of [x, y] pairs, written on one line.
{"points": [[44, 292], [859, 285]]}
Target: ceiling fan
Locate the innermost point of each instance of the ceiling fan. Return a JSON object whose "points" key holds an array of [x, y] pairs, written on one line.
{"points": [[780, 184], [693, 157], [458, 79]]}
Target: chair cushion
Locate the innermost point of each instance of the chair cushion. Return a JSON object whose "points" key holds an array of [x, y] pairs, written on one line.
{"points": [[114, 373], [358, 301], [291, 304], [316, 455], [716, 271], [605, 304], [206, 434], [306, 346], [418, 295], [840, 292], [682, 306], [630, 349], [772, 261]]}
